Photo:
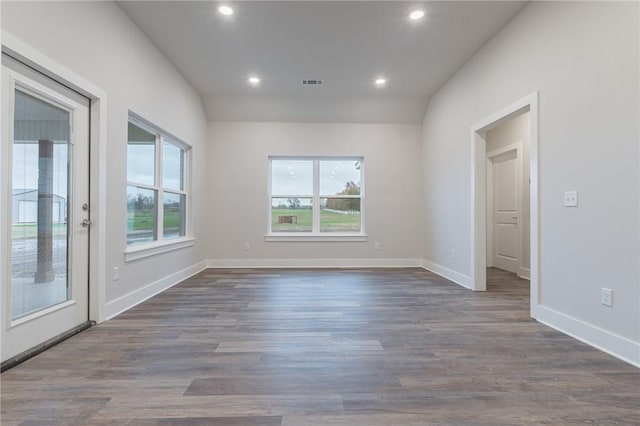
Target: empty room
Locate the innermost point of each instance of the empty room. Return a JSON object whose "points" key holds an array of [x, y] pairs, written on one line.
{"points": [[320, 212]]}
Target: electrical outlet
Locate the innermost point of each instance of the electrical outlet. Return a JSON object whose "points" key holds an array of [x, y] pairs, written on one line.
{"points": [[606, 296], [116, 273], [247, 246], [377, 245], [571, 199]]}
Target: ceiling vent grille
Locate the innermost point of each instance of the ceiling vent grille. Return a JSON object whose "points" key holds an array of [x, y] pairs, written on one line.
{"points": [[311, 82]]}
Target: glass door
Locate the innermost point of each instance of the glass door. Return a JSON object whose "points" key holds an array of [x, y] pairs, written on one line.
{"points": [[45, 157]]}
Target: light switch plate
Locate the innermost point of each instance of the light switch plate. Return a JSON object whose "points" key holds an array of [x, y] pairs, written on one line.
{"points": [[571, 199], [606, 296]]}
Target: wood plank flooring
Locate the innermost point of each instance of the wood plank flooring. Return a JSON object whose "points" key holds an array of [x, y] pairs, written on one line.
{"points": [[324, 347]]}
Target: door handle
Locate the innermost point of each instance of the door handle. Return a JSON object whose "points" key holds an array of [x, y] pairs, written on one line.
{"points": [[85, 223]]}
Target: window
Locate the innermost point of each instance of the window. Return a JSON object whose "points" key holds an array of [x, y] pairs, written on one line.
{"points": [[316, 196], [156, 185]]}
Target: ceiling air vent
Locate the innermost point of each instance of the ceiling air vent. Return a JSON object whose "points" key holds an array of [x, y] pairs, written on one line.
{"points": [[311, 82]]}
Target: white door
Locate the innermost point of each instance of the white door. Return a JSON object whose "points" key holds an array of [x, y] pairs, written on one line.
{"points": [[506, 173], [44, 264]]}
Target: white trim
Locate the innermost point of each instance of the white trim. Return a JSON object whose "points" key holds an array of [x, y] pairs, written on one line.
{"points": [[327, 237], [525, 273], [314, 263], [478, 211], [128, 301], [147, 250], [504, 150], [315, 203], [451, 275], [489, 211], [606, 341], [98, 170], [5, 190], [478, 236], [36, 315], [152, 128]]}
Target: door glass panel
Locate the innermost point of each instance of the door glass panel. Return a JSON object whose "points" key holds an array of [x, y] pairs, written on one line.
{"points": [[40, 202]]}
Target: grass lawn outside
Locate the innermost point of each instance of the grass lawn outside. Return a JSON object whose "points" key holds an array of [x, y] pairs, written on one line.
{"points": [[330, 221], [30, 230], [144, 220]]}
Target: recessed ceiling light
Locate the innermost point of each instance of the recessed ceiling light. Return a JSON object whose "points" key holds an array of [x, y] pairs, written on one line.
{"points": [[225, 10], [254, 80], [380, 81], [416, 14]]}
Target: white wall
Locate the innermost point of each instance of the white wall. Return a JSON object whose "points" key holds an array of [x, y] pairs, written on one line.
{"points": [[516, 129], [583, 58], [98, 42], [238, 179]]}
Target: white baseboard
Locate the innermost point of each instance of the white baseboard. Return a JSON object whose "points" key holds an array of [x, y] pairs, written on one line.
{"points": [[138, 296], [606, 341], [314, 263], [524, 273], [456, 277]]}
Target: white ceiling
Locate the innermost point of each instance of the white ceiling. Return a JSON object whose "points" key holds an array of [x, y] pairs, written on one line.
{"points": [[347, 44]]}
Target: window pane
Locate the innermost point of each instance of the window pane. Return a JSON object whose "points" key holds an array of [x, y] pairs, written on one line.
{"points": [[172, 167], [40, 196], [339, 177], [291, 177], [174, 215], [291, 215], [340, 215], [141, 156], [141, 215]]}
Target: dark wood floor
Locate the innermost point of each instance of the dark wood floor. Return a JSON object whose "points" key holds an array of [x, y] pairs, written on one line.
{"points": [[324, 347]]}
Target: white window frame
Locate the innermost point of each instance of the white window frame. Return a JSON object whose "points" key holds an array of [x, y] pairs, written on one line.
{"points": [[162, 245], [316, 234]]}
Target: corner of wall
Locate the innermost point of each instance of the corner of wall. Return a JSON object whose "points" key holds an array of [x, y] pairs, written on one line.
{"points": [[136, 297], [450, 274]]}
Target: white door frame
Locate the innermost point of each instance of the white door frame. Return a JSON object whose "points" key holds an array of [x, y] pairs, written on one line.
{"points": [[518, 148], [479, 190], [17, 49]]}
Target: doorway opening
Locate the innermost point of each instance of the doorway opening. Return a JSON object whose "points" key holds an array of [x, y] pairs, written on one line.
{"points": [[75, 294], [504, 195], [45, 151], [508, 196]]}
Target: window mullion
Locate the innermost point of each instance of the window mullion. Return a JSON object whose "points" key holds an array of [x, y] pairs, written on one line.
{"points": [[270, 193], [316, 196], [142, 185], [186, 183], [159, 174]]}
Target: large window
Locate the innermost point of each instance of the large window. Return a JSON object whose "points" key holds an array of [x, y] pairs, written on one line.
{"points": [[156, 185], [316, 196]]}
